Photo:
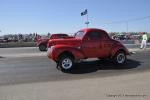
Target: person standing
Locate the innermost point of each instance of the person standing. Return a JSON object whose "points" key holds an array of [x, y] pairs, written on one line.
{"points": [[144, 40]]}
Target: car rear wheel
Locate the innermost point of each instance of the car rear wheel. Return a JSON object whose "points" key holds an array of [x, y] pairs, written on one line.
{"points": [[119, 58], [65, 63], [42, 47]]}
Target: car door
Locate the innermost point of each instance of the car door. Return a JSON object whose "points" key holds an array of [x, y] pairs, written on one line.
{"points": [[91, 44]]}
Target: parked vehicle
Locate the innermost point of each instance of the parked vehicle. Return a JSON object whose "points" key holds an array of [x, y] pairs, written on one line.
{"points": [[87, 43], [120, 37], [2, 40], [42, 42]]}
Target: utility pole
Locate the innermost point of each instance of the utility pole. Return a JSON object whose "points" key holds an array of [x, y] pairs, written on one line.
{"points": [[0, 32], [127, 26]]}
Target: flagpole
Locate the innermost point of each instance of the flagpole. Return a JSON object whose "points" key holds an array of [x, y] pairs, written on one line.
{"points": [[87, 20]]}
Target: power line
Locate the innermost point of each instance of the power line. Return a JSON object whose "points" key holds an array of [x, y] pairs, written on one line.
{"points": [[136, 19], [129, 20]]}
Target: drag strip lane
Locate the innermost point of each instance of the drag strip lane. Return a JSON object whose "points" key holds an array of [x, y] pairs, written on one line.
{"points": [[33, 68]]}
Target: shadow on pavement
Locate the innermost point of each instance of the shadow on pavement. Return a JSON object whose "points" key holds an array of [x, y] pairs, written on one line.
{"points": [[2, 57], [81, 68], [93, 66]]}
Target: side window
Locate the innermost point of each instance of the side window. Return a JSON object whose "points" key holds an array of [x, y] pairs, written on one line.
{"points": [[62, 36], [94, 36]]}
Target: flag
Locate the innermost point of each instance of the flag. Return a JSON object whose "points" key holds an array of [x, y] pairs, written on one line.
{"points": [[84, 12]]}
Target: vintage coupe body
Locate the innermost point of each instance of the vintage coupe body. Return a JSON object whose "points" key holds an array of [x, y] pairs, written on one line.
{"points": [[87, 43], [42, 42]]}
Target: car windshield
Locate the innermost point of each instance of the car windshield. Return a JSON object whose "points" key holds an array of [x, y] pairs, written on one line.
{"points": [[79, 34]]}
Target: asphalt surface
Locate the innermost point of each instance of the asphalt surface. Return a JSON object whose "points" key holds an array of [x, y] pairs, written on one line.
{"points": [[29, 65]]}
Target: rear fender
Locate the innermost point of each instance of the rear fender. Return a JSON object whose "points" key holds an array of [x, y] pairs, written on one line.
{"points": [[116, 49]]}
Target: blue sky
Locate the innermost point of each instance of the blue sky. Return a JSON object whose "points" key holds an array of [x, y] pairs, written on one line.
{"points": [[54, 16]]}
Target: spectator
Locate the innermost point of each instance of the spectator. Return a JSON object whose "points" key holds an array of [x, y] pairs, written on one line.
{"points": [[144, 40]]}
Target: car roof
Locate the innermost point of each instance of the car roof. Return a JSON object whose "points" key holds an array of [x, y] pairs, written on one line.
{"points": [[59, 34], [89, 29]]}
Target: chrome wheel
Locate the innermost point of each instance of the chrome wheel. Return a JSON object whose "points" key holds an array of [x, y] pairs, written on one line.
{"points": [[121, 58], [66, 63]]}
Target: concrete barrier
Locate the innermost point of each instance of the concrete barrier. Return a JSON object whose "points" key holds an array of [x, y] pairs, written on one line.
{"points": [[33, 44], [135, 45], [127, 41], [17, 44]]}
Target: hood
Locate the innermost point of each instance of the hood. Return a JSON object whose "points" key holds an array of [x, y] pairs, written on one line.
{"points": [[69, 41]]}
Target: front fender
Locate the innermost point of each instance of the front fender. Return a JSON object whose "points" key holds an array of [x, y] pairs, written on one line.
{"points": [[59, 49]]}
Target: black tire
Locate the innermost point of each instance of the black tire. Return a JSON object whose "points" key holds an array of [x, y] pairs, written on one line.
{"points": [[42, 47], [65, 63], [119, 58]]}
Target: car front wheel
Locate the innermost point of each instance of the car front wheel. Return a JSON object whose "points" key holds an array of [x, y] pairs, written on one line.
{"points": [[65, 63], [42, 48]]}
